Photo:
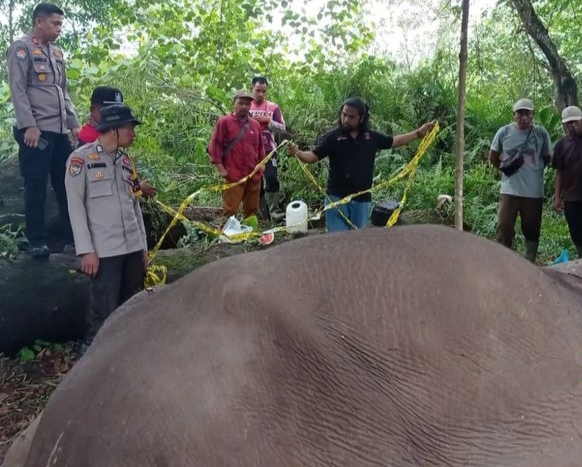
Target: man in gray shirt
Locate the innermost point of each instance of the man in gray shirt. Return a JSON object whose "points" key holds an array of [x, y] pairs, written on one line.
{"points": [[44, 116], [522, 192]]}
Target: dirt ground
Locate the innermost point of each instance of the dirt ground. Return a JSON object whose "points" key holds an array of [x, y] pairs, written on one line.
{"points": [[25, 387]]}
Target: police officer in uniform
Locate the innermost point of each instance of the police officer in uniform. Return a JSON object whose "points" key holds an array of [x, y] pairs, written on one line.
{"points": [[102, 192], [44, 116]]}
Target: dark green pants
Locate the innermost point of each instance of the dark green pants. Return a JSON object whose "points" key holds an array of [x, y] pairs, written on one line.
{"points": [[530, 213]]}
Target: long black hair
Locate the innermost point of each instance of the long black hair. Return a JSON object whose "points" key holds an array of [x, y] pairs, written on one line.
{"points": [[362, 108]]}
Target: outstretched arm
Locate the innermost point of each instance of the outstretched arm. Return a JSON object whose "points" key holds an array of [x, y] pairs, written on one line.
{"points": [[402, 140]]}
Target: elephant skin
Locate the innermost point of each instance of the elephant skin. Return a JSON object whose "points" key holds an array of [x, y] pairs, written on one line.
{"points": [[409, 347]]}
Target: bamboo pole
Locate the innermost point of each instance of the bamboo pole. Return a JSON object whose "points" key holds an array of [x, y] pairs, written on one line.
{"points": [[461, 117]]}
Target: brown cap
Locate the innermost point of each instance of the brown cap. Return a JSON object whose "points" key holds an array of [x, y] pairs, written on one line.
{"points": [[242, 94]]}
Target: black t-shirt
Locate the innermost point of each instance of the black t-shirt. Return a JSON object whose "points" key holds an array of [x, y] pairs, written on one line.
{"points": [[351, 161], [568, 160]]}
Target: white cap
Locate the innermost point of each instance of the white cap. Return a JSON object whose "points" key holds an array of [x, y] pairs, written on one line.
{"points": [[523, 104], [571, 114]]}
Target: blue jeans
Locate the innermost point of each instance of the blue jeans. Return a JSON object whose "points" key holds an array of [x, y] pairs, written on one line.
{"points": [[358, 212]]}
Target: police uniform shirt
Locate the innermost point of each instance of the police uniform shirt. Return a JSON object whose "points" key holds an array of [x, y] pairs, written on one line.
{"points": [[103, 204], [38, 86]]}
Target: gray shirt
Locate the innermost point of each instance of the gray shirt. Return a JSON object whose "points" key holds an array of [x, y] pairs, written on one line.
{"points": [[101, 192], [528, 181], [38, 86]]}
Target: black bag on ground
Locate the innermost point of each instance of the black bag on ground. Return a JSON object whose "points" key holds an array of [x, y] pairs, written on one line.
{"points": [[382, 212]]}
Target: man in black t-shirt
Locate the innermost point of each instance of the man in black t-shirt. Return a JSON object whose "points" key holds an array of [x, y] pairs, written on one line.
{"points": [[567, 161], [352, 148]]}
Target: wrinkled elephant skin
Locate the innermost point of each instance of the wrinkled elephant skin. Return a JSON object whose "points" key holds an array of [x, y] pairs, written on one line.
{"points": [[407, 347]]}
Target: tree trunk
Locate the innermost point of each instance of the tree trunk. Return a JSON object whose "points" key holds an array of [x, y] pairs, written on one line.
{"points": [[461, 118], [565, 87]]}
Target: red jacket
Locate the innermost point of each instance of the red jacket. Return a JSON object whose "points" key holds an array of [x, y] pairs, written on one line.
{"points": [[87, 134], [245, 154]]}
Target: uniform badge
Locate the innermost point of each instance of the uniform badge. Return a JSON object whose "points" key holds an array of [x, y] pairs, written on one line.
{"points": [[37, 51], [21, 53], [99, 175], [41, 77], [94, 156], [35, 41], [99, 149], [75, 166], [118, 97], [126, 161], [57, 54]]}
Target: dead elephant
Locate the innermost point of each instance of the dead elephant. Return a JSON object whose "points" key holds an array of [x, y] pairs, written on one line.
{"points": [[412, 346]]}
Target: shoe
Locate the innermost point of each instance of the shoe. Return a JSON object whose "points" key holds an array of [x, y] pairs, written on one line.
{"points": [[273, 200], [40, 251]]}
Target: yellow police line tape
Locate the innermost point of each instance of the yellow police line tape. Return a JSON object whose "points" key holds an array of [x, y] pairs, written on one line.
{"points": [[156, 274]]}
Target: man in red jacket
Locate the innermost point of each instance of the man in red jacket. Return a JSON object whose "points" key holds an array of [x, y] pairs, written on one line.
{"points": [[101, 97], [236, 147]]}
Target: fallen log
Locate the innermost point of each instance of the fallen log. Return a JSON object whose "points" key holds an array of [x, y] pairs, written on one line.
{"points": [[48, 299]]}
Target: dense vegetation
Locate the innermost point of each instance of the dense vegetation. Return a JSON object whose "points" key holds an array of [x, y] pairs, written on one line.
{"points": [[178, 62]]}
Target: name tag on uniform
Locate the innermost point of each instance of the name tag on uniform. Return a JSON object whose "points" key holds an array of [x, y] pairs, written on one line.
{"points": [[96, 165]]}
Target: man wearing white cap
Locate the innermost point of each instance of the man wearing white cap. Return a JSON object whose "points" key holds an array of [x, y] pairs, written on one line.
{"points": [[521, 151], [567, 161]]}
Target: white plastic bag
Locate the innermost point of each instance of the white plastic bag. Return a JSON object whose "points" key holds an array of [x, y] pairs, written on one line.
{"points": [[233, 227]]}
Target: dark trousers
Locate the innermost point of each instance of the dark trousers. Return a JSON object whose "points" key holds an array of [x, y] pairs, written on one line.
{"points": [[270, 182], [573, 215], [117, 280], [530, 213], [35, 167]]}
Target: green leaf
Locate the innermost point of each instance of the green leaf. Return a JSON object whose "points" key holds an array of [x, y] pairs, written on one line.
{"points": [[26, 354]]}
